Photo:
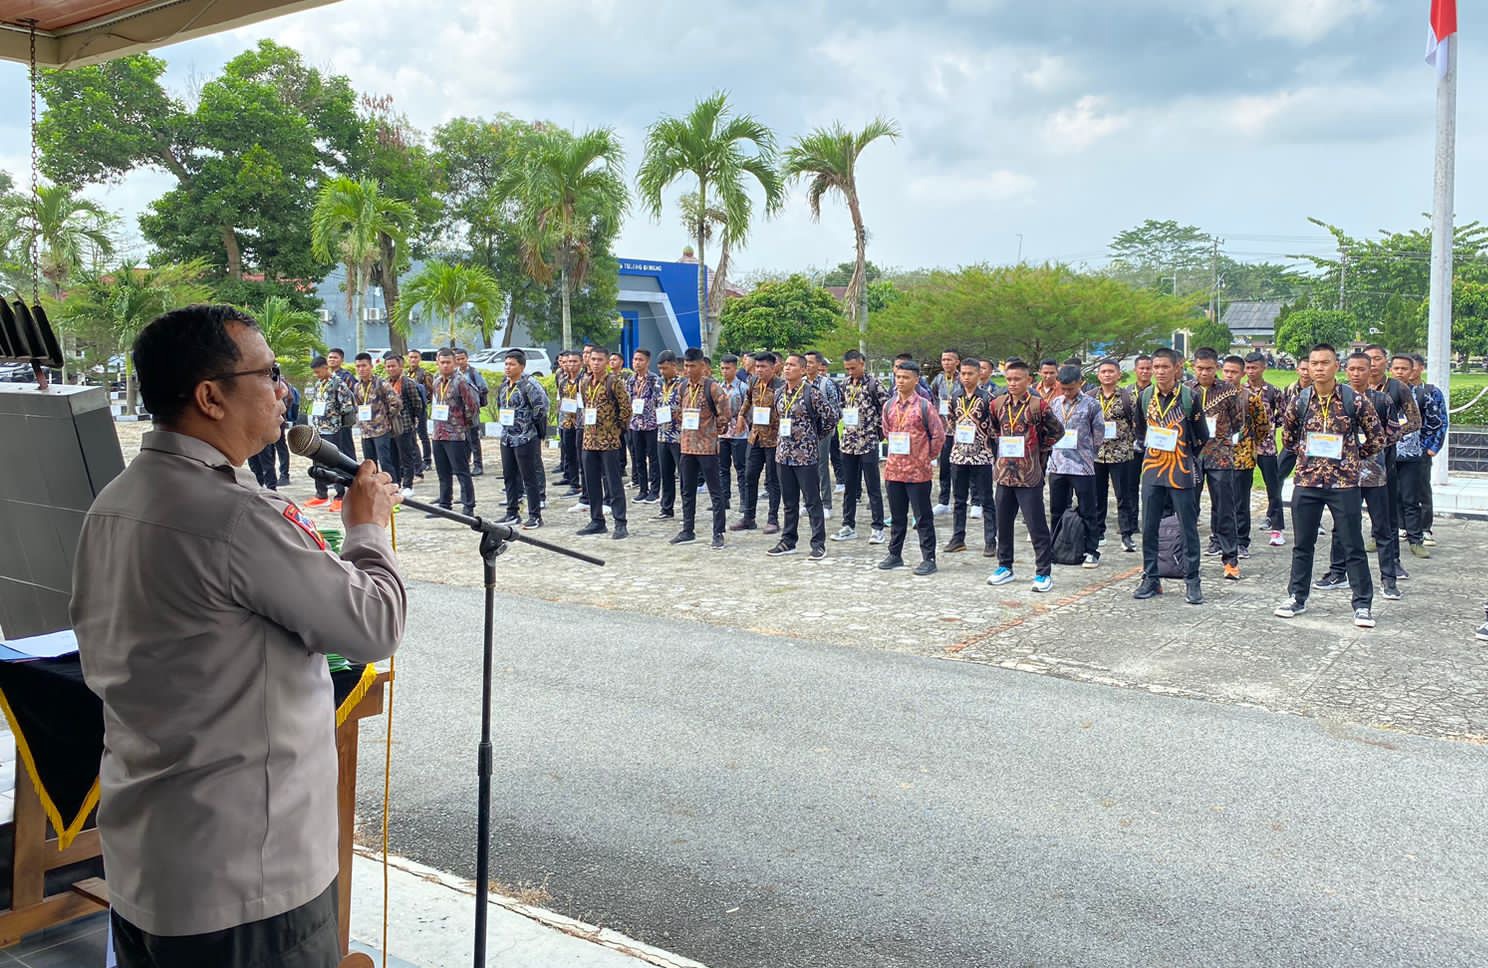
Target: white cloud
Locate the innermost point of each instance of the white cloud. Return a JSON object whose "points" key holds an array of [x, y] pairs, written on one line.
{"points": [[1075, 128], [970, 188]]}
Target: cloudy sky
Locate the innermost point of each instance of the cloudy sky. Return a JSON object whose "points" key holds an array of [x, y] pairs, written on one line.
{"points": [[1062, 121]]}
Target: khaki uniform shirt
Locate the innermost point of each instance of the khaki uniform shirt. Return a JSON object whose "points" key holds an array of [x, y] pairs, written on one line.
{"points": [[202, 607]]}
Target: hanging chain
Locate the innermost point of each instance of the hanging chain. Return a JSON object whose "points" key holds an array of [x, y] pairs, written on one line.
{"points": [[35, 187]]}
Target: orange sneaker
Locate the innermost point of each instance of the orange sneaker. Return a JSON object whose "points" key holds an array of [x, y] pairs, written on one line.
{"points": [[317, 502], [1232, 572], [336, 506]]}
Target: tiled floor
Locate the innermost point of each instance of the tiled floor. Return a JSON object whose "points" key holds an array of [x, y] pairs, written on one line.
{"points": [[78, 944]]}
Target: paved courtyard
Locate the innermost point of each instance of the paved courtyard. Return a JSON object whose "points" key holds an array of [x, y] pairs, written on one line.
{"points": [[1420, 671]]}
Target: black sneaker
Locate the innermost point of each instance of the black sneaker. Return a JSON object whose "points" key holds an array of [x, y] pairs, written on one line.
{"points": [[954, 545], [1290, 608], [926, 567], [477, 471], [593, 527], [1401, 574], [511, 517], [621, 531], [1195, 593], [817, 554], [682, 537], [533, 523], [665, 516], [717, 542], [1244, 551], [780, 550], [1127, 544], [890, 563], [1329, 582], [1150, 588], [1212, 550], [1391, 592]]}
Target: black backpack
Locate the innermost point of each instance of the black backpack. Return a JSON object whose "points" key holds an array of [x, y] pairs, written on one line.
{"points": [[1069, 538], [1171, 548]]}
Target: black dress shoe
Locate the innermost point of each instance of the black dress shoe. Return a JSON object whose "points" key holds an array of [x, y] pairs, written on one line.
{"points": [[593, 527], [477, 471], [1146, 590], [1194, 594], [620, 532], [955, 544], [890, 563], [1127, 544], [926, 567], [990, 551], [682, 537]]}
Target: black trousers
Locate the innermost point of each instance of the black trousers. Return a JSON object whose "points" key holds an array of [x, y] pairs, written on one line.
{"points": [[1428, 512], [428, 454], [283, 450], [645, 474], [837, 455], [1240, 490], [733, 455], [1063, 488], [451, 461], [384, 452], [902, 496], [1286, 462], [704, 467], [477, 454], [262, 466], [1413, 482], [322, 489], [305, 937], [945, 469], [406, 453], [798, 483], [860, 471], [1221, 486], [824, 468], [1381, 529], [1118, 477], [760, 459], [1030, 501], [669, 458], [568, 446], [602, 477], [1347, 507], [968, 481], [1270, 466], [520, 466], [1157, 499]]}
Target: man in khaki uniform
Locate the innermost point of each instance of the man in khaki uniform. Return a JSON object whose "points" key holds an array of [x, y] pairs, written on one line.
{"points": [[203, 606]]}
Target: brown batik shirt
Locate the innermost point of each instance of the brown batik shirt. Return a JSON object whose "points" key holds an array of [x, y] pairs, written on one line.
{"points": [[762, 395], [1329, 416], [1031, 419], [1224, 415], [612, 411], [711, 402], [1118, 413]]}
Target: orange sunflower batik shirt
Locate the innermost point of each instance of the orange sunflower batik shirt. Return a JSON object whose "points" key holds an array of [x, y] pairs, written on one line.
{"points": [[1166, 420]]}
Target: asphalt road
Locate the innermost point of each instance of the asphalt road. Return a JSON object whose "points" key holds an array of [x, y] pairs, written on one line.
{"points": [[752, 801]]}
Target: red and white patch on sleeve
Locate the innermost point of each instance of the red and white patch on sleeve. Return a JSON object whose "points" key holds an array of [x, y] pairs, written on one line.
{"points": [[301, 520]]}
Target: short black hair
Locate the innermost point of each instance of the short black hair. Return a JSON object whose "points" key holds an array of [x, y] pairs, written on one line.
{"points": [[1015, 364], [765, 356], [910, 356], [954, 352], [1232, 358], [1206, 353], [971, 361], [1403, 356], [1256, 357], [1109, 361], [182, 348], [910, 366], [1169, 354], [821, 359], [1323, 348], [517, 355], [1419, 358], [1372, 346], [1070, 373], [851, 355], [418, 353], [1143, 358], [338, 351], [730, 358], [798, 356], [1359, 355], [316, 362], [1047, 361], [639, 349], [444, 351], [364, 356], [390, 355], [665, 356], [460, 351], [692, 355]]}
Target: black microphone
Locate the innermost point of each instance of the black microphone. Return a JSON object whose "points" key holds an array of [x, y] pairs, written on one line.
{"points": [[304, 440]]}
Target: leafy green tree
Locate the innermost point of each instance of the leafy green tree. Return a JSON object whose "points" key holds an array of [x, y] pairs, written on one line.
{"points": [[122, 300], [788, 315], [1402, 327], [828, 159], [569, 192], [1164, 255], [246, 153], [292, 333], [1211, 333], [699, 219], [1470, 317], [1301, 330], [1250, 281], [350, 219], [721, 151], [842, 273], [881, 293], [454, 293]]}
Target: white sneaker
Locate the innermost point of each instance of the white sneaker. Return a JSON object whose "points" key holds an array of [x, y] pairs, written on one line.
{"points": [[1277, 539], [407, 492], [942, 509], [976, 510], [876, 537], [845, 534], [839, 489], [826, 512], [581, 506]]}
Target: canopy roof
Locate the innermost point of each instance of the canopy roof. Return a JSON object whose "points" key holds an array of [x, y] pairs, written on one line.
{"points": [[71, 33]]}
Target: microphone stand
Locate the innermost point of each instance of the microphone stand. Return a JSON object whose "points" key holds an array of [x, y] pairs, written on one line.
{"points": [[494, 540]]}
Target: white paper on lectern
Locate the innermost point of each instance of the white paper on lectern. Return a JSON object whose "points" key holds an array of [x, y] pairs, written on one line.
{"points": [[47, 646]]}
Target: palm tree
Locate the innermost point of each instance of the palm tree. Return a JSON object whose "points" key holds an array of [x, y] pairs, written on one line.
{"points": [[293, 334], [829, 158], [348, 223], [447, 288], [569, 192], [67, 233], [702, 221], [710, 144], [124, 299]]}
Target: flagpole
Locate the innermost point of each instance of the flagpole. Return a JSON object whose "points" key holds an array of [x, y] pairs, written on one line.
{"points": [[1439, 327]]}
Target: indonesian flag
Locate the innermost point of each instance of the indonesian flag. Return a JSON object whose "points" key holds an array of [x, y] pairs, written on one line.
{"points": [[1443, 25]]}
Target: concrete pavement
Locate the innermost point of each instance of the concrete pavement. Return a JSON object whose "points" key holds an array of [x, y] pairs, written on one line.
{"points": [[748, 800]]}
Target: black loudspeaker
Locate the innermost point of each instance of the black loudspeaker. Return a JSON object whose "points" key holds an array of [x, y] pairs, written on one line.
{"points": [[60, 450]]}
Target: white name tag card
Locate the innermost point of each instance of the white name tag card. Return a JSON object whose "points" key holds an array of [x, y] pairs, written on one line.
{"points": [[318, 408], [1213, 424], [591, 415], [440, 412], [1162, 438], [1108, 428], [965, 433], [849, 416], [568, 405], [364, 412], [691, 419], [637, 404], [1070, 441], [899, 443], [663, 415], [785, 426], [761, 416], [508, 417], [1011, 446], [945, 408], [1325, 446]]}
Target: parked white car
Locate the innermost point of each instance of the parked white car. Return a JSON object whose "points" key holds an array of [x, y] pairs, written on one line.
{"points": [[538, 363]]}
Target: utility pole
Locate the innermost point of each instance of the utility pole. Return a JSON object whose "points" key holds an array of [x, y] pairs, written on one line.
{"points": [[1020, 248], [1342, 275], [1214, 266]]}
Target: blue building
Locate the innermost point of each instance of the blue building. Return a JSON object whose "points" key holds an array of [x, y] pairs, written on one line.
{"points": [[657, 301]]}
